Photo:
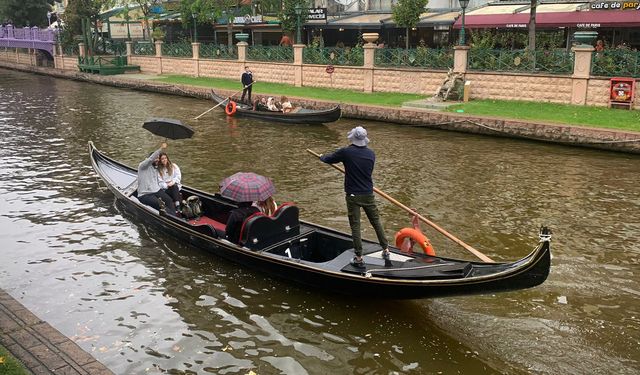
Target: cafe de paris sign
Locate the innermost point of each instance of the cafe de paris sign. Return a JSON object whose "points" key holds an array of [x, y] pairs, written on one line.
{"points": [[615, 5]]}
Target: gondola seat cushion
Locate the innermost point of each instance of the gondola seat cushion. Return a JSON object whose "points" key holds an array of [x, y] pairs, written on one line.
{"points": [[260, 231]]}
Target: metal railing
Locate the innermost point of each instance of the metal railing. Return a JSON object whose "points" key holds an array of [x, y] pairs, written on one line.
{"points": [[220, 51], [334, 56], [178, 49], [420, 57], [552, 62], [270, 53], [144, 48], [71, 49], [616, 63]]}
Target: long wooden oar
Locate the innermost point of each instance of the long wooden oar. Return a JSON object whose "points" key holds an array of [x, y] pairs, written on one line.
{"points": [[217, 105], [475, 252]]}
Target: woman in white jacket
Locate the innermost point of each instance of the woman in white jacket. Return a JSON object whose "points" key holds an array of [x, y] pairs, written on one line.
{"points": [[169, 178]]}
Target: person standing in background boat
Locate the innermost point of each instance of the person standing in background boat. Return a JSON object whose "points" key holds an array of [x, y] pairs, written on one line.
{"points": [[247, 81], [359, 161], [169, 177], [149, 191]]}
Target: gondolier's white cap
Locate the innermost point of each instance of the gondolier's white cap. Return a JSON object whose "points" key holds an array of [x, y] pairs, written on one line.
{"points": [[358, 136]]}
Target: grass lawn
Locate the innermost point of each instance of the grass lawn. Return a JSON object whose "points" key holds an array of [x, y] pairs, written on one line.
{"points": [[602, 117], [548, 112], [9, 365], [277, 89]]}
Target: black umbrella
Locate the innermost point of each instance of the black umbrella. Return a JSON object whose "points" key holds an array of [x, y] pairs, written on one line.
{"points": [[168, 128]]}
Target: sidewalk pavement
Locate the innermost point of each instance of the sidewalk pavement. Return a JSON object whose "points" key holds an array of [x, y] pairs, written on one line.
{"points": [[40, 347]]}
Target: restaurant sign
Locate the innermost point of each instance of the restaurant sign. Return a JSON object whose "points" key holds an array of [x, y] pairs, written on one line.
{"points": [[615, 5], [317, 14], [247, 19]]}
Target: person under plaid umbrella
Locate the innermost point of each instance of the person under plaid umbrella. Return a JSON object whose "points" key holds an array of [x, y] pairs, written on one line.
{"points": [[247, 187], [244, 188]]}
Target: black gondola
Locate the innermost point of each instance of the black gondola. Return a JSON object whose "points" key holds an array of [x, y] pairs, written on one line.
{"points": [[314, 255], [300, 116]]}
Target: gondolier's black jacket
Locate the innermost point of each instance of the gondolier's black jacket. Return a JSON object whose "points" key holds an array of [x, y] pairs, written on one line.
{"points": [[358, 164], [247, 78]]}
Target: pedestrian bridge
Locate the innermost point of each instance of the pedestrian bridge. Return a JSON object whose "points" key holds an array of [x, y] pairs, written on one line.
{"points": [[28, 37]]}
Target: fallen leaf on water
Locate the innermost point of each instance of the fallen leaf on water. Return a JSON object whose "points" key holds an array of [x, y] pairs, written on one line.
{"points": [[2, 360], [177, 348], [251, 373], [227, 348]]}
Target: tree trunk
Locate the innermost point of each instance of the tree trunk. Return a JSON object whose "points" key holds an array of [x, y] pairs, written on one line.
{"points": [[406, 41], [532, 26], [229, 33]]}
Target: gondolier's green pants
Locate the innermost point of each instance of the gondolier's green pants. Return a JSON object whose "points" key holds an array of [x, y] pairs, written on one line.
{"points": [[368, 203]]}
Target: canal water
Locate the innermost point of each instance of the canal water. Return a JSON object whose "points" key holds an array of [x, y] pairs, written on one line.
{"points": [[143, 303]]}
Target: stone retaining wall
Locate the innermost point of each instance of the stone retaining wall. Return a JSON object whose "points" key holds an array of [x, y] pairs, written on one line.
{"points": [[604, 139], [578, 88]]}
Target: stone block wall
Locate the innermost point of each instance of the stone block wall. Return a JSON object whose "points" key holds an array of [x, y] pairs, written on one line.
{"points": [[268, 72], [553, 89], [221, 68], [577, 88], [176, 65], [408, 81], [348, 78]]}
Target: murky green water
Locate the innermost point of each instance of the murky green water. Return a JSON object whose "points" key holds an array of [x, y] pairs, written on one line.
{"points": [[142, 302]]}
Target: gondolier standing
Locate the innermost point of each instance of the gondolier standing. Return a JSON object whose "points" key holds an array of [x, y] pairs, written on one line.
{"points": [[359, 161], [247, 80]]}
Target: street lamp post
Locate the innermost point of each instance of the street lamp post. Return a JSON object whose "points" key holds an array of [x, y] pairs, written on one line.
{"points": [[463, 5], [49, 18], [298, 10], [195, 27]]}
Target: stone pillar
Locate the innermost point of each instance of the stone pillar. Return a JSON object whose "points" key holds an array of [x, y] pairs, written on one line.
{"points": [[195, 47], [158, 44], [460, 59], [297, 64], [581, 73], [81, 51], [242, 51], [369, 59], [10, 33], [129, 45]]}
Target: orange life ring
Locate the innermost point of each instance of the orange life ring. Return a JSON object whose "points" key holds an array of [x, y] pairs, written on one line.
{"points": [[418, 237], [230, 108]]}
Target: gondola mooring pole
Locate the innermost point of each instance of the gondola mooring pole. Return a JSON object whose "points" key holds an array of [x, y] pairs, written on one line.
{"points": [[450, 236]]}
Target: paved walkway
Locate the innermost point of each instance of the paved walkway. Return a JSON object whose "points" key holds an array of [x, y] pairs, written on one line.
{"points": [[41, 348]]}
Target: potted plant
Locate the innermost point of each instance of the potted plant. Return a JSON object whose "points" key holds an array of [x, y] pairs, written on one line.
{"points": [[158, 33]]}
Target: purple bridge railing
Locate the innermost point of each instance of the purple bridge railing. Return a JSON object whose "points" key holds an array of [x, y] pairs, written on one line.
{"points": [[28, 37]]}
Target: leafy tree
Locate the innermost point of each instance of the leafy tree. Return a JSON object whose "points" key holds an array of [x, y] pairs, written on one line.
{"points": [[288, 16], [76, 12], [22, 13], [145, 8], [206, 10], [532, 25], [406, 13]]}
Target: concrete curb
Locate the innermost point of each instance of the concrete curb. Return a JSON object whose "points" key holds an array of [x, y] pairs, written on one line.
{"points": [[40, 347], [597, 138]]}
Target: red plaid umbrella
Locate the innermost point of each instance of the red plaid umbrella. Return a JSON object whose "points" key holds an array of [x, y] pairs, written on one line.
{"points": [[247, 187]]}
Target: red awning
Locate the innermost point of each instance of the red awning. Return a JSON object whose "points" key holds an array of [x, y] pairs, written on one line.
{"points": [[584, 19]]}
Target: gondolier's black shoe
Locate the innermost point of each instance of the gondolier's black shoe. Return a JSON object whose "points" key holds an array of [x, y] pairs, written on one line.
{"points": [[357, 262], [386, 255]]}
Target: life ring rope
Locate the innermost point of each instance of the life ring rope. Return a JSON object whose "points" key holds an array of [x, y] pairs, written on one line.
{"points": [[230, 108], [418, 237]]}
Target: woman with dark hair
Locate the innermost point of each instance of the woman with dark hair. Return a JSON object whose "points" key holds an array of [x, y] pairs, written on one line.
{"points": [[169, 178], [149, 192]]}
